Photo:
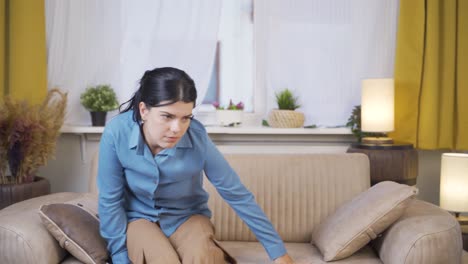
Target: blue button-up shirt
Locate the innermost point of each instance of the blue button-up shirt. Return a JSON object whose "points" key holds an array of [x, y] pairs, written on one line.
{"points": [[168, 187]]}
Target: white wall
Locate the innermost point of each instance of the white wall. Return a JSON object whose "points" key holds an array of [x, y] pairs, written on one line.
{"points": [[68, 173], [428, 180]]}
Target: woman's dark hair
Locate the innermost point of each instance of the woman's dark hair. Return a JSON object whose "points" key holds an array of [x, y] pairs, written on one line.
{"points": [[159, 85]]}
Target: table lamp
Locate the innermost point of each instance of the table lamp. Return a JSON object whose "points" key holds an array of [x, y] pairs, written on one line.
{"points": [[454, 183], [377, 109]]}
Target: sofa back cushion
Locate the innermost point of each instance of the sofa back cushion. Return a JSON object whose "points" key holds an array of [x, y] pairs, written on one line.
{"points": [[296, 191], [92, 183]]}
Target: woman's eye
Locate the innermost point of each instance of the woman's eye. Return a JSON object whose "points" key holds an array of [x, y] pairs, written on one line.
{"points": [[167, 117]]}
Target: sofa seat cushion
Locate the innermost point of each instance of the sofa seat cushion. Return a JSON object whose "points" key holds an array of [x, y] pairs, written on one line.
{"points": [[302, 253]]}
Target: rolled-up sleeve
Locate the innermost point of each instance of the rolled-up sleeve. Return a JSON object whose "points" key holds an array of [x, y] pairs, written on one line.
{"points": [[111, 184], [229, 186]]}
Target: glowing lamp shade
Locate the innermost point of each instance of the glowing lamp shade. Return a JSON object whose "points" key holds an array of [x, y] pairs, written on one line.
{"points": [[454, 182], [377, 105]]}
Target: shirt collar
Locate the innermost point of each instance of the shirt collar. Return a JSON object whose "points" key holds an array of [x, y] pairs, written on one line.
{"points": [[134, 136]]}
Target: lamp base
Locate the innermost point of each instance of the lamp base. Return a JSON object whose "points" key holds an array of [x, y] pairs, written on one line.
{"points": [[377, 140]]}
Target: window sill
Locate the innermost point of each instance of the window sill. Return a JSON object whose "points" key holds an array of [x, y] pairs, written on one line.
{"points": [[240, 130], [243, 135]]}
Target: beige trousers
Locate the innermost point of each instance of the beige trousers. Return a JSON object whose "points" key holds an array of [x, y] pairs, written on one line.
{"points": [[192, 243]]}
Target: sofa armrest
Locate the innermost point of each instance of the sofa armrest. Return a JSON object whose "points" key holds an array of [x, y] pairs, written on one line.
{"points": [[424, 234], [23, 237]]}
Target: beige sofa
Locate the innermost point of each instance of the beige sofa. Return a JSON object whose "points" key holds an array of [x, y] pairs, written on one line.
{"points": [[296, 191]]}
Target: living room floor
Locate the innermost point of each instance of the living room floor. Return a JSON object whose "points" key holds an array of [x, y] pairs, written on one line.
{"points": [[465, 257]]}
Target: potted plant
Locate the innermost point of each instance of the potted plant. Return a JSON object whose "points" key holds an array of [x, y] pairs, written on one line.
{"points": [[230, 115], [28, 136], [286, 116], [99, 100]]}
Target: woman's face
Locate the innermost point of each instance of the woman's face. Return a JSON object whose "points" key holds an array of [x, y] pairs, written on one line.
{"points": [[164, 126]]}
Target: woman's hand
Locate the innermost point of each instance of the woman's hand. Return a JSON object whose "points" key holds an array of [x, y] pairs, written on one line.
{"points": [[285, 259]]}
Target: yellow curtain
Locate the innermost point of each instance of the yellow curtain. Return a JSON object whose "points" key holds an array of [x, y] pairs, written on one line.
{"points": [[23, 67], [2, 48], [431, 74]]}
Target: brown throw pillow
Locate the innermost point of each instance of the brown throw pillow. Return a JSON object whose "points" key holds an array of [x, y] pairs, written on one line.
{"points": [[75, 225], [362, 219]]}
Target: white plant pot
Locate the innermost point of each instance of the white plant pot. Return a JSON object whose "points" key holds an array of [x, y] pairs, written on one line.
{"points": [[229, 117]]}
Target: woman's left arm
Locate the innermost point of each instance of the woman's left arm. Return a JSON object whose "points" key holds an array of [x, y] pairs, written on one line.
{"points": [[229, 186]]}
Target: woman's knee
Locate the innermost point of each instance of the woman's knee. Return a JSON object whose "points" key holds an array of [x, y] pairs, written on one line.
{"points": [[147, 244], [204, 251]]}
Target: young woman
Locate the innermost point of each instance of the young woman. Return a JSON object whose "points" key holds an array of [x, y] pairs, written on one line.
{"points": [[152, 205]]}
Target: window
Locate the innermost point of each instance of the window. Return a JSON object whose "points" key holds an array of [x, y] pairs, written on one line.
{"points": [[212, 94], [233, 68]]}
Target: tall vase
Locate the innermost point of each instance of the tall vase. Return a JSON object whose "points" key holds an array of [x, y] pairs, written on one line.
{"points": [[98, 118]]}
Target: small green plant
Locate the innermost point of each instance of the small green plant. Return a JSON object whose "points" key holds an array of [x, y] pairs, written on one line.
{"points": [[354, 122], [286, 100], [99, 98]]}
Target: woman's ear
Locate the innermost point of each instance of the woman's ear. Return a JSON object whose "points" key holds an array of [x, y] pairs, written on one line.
{"points": [[143, 111]]}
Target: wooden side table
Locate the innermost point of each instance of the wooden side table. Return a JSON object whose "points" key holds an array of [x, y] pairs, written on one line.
{"points": [[463, 220], [465, 237], [390, 162]]}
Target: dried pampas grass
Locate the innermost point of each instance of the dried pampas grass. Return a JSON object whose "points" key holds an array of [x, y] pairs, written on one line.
{"points": [[28, 135]]}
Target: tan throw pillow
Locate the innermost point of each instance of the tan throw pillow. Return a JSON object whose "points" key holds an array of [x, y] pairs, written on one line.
{"points": [[360, 220], [75, 225]]}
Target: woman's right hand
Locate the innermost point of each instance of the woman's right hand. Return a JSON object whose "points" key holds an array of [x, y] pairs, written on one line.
{"points": [[285, 259]]}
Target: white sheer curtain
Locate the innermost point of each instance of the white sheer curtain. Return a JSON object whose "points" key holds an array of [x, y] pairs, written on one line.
{"points": [[236, 53], [321, 50], [83, 46], [108, 41]]}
